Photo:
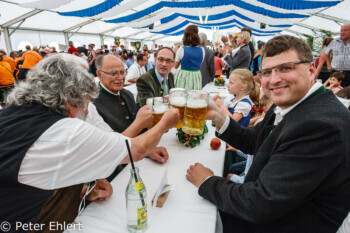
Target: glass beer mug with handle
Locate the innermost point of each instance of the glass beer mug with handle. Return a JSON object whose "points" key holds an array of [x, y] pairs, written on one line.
{"points": [[177, 99], [158, 107], [195, 112]]}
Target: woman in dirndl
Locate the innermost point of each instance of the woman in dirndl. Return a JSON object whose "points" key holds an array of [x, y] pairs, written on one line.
{"points": [[190, 56]]}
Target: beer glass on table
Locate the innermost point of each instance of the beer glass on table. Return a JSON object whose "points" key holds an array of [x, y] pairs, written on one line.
{"points": [[158, 107], [177, 99], [195, 112]]}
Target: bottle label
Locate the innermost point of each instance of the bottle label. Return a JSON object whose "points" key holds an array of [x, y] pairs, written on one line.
{"points": [[139, 186], [142, 217]]}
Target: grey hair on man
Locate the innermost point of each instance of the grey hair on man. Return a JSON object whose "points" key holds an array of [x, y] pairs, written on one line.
{"points": [[55, 82], [203, 38]]}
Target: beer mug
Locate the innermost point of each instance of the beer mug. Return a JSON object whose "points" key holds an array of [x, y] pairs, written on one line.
{"points": [[195, 112], [177, 99], [158, 107]]}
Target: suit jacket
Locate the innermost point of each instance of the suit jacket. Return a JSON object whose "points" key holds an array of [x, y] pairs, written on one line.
{"points": [[207, 66], [149, 86], [241, 60], [299, 180]]}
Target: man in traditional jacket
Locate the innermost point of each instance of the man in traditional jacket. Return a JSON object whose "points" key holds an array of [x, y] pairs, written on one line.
{"points": [[117, 106], [299, 180]]}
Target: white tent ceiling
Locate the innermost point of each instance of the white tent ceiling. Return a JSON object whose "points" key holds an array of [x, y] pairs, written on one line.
{"points": [[98, 21]]}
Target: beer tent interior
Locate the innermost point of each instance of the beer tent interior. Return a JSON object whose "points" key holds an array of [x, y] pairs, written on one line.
{"points": [[55, 22]]}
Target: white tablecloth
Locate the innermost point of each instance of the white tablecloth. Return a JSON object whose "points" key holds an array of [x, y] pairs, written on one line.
{"points": [[214, 90], [184, 210]]}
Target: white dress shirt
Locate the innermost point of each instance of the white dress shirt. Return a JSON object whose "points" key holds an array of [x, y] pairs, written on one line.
{"points": [[280, 113], [71, 152], [135, 71], [94, 118]]}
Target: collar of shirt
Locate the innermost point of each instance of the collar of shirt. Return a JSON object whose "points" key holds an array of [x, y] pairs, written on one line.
{"points": [[160, 78], [341, 41], [109, 90], [140, 68], [280, 113]]}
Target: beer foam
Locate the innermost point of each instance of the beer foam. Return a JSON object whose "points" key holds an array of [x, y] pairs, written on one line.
{"points": [[196, 104], [178, 101], [157, 109]]}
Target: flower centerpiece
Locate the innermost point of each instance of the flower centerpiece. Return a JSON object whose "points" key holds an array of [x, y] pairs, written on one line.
{"points": [[190, 140], [219, 81]]}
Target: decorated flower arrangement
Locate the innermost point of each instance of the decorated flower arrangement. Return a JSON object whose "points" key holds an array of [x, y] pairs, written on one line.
{"points": [[191, 140], [116, 41], [219, 81]]}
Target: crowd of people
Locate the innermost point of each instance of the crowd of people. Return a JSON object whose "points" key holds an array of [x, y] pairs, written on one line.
{"points": [[287, 162]]}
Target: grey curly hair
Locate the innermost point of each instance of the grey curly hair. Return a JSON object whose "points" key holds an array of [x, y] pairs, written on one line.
{"points": [[54, 82]]}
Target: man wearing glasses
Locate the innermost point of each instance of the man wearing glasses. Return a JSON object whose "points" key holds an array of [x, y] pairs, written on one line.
{"points": [[299, 180], [115, 104], [115, 109], [157, 82], [137, 69]]}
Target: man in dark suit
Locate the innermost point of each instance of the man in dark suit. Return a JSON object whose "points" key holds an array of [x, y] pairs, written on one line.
{"points": [[158, 81], [207, 66], [299, 180]]}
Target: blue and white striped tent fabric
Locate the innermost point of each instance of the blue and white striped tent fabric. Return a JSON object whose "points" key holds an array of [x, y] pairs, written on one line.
{"points": [[99, 21], [172, 17], [175, 16]]}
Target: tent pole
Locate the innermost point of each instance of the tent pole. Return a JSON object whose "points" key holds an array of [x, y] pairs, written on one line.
{"points": [[17, 27], [7, 40], [102, 41], [66, 38]]}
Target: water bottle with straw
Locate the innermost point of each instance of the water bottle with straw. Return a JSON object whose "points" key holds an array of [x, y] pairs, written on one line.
{"points": [[136, 200]]}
